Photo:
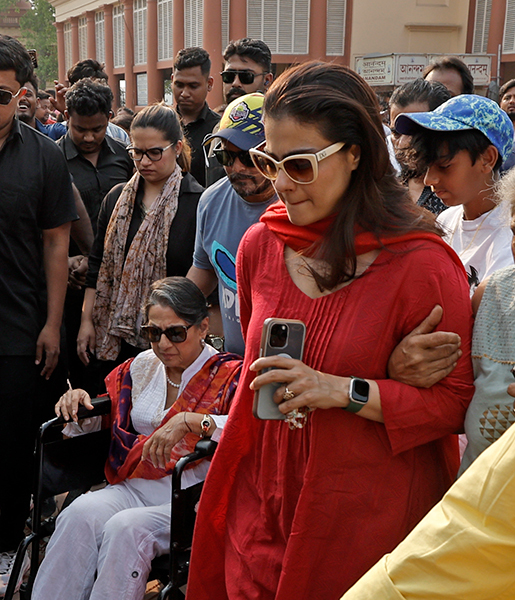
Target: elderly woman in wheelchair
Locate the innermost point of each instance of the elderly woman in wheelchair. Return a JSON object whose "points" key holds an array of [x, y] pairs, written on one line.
{"points": [[162, 401]]}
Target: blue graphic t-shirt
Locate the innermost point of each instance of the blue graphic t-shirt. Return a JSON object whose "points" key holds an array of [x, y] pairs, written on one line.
{"points": [[223, 216]]}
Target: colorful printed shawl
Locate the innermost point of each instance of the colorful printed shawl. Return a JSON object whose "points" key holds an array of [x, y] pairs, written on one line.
{"points": [[124, 281], [210, 391]]}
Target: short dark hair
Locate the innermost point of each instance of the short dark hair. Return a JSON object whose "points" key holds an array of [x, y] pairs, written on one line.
{"points": [[256, 50], [42, 95], [427, 146], [123, 120], [33, 80], [453, 63], [187, 58], [86, 68], [420, 90], [126, 110], [181, 295], [505, 87], [14, 57], [88, 97], [162, 117]]}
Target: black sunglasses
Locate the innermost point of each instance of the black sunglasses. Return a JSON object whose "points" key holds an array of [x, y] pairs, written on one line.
{"points": [[227, 158], [6, 96], [245, 77], [176, 333]]}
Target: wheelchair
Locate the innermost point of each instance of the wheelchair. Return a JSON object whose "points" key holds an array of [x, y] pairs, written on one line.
{"points": [[75, 465]]}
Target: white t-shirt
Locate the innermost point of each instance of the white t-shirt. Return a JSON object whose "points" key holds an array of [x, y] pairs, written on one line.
{"points": [[483, 244]]}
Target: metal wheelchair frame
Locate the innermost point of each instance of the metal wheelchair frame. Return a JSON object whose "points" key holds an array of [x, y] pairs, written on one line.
{"points": [[77, 464]]}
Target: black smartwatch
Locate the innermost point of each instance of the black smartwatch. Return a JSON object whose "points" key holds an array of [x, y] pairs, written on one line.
{"points": [[358, 394]]}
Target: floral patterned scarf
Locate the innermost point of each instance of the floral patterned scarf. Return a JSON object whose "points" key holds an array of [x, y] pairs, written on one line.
{"points": [[123, 282]]}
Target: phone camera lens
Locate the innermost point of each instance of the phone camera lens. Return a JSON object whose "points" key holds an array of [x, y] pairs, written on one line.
{"points": [[279, 335]]}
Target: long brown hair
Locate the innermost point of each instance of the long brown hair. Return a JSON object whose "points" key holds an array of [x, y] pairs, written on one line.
{"points": [[344, 108]]}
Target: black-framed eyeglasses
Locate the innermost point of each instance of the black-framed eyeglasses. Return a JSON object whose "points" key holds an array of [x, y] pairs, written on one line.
{"points": [[227, 157], [153, 154], [245, 77], [6, 96], [175, 334]]}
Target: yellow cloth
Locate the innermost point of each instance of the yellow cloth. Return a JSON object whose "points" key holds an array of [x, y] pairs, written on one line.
{"points": [[464, 549]]}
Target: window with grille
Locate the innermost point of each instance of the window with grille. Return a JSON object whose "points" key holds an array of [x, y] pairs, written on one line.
{"points": [[226, 5], [118, 36], [164, 29], [141, 89], [193, 22], [67, 32], [481, 25], [100, 37], [83, 38], [282, 24], [140, 32], [509, 28], [335, 28]]}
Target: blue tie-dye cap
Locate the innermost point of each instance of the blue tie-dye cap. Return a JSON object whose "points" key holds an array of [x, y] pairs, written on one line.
{"points": [[466, 111]]}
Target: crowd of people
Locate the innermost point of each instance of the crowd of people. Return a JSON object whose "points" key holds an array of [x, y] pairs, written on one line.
{"points": [[141, 255]]}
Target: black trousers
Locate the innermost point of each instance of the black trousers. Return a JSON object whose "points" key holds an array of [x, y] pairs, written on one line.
{"points": [[19, 378]]}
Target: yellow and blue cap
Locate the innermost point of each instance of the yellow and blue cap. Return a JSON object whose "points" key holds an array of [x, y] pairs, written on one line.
{"points": [[242, 122]]}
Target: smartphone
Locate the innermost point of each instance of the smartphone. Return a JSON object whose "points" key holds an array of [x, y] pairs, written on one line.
{"points": [[33, 57], [280, 337]]}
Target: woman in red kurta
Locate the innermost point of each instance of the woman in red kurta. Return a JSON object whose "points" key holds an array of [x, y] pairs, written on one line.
{"points": [[302, 513]]}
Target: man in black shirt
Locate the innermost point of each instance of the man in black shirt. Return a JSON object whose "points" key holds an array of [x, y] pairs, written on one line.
{"points": [[96, 161], [36, 208], [191, 84]]}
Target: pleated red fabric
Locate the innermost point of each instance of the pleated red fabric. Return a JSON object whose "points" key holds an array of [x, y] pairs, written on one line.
{"points": [[302, 514]]}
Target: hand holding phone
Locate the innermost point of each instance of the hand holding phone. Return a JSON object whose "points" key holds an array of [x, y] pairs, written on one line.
{"points": [[280, 337]]}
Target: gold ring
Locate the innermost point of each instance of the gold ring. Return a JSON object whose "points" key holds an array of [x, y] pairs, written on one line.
{"points": [[288, 394]]}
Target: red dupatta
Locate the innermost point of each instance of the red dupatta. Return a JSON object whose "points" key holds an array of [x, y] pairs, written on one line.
{"points": [[300, 238], [210, 391]]}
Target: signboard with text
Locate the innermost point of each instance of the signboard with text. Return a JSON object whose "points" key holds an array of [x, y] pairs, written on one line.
{"points": [[409, 67], [397, 69], [376, 70]]}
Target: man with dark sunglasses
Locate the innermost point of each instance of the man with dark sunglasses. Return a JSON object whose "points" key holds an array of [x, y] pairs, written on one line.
{"points": [[35, 215], [248, 68], [228, 208]]}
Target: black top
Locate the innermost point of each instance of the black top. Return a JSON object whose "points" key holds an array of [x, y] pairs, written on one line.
{"points": [[35, 194], [429, 200], [196, 131], [181, 241], [113, 166]]}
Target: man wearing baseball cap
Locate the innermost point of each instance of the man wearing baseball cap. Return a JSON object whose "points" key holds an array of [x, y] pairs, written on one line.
{"points": [[228, 208], [461, 146]]}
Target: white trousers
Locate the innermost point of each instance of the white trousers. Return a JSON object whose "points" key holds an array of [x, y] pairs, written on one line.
{"points": [[113, 533]]}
